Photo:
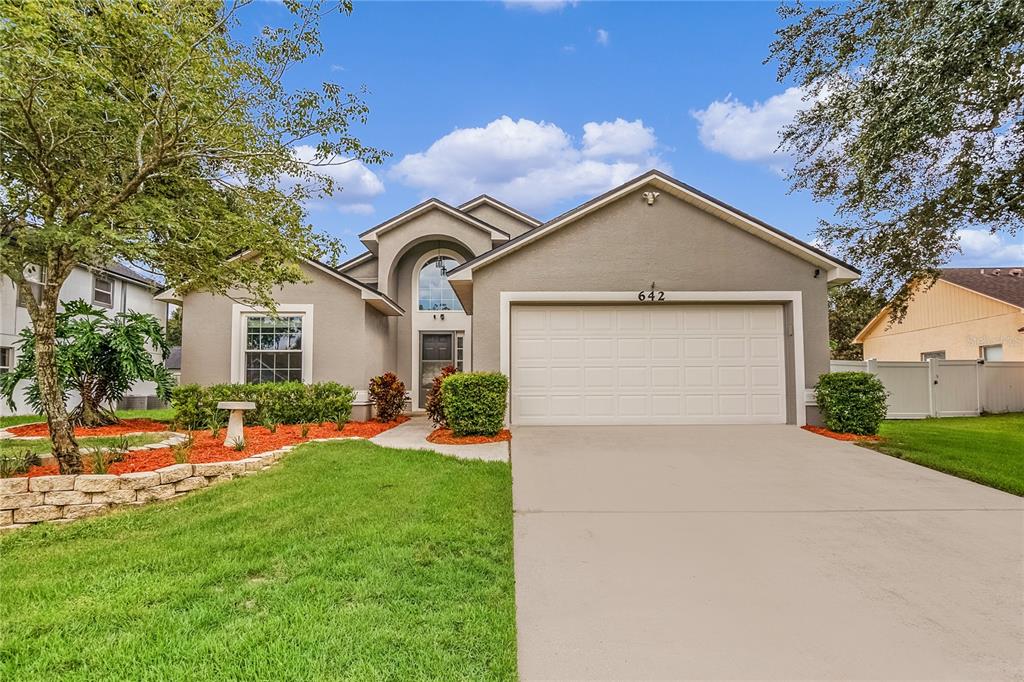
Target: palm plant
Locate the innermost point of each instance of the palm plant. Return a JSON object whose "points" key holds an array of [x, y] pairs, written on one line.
{"points": [[98, 357]]}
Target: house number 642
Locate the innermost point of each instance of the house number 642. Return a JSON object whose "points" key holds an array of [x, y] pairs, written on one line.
{"points": [[653, 295]]}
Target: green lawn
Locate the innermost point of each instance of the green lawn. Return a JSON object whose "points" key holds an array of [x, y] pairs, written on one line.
{"points": [[345, 561], [163, 415], [43, 445], [989, 450]]}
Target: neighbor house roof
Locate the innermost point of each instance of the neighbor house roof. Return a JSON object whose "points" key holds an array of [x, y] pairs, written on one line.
{"points": [[836, 270], [501, 206], [124, 272], [1005, 285]]}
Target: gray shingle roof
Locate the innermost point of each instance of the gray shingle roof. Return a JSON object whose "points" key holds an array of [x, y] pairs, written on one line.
{"points": [[995, 282]]}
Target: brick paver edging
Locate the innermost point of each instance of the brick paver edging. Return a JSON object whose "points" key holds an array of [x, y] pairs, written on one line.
{"points": [[65, 498]]}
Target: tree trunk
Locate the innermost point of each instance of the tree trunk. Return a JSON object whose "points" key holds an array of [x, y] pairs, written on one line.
{"points": [[62, 434]]}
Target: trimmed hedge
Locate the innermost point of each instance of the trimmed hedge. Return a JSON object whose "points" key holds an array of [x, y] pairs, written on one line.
{"points": [[852, 402], [195, 407], [474, 402]]}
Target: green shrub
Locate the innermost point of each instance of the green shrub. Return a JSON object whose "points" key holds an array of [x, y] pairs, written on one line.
{"points": [[851, 402], [195, 407], [435, 408], [474, 402], [388, 395]]}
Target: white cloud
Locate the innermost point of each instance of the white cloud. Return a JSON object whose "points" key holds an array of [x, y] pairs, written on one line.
{"points": [[530, 164], [748, 133], [617, 138], [337, 67], [981, 247], [354, 183], [602, 37], [543, 6], [568, 49]]}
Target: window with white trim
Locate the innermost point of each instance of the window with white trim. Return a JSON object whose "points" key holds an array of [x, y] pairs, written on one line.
{"points": [[993, 353], [102, 291], [35, 280], [460, 343], [6, 359], [933, 355], [273, 348], [436, 293]]}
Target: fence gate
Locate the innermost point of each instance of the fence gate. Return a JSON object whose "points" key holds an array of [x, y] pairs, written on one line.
{"points": [[945, 388]]}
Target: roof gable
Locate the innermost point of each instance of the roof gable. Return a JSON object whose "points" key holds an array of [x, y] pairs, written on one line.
{"points": [[369, 237], [500, 206], [837, 271]]}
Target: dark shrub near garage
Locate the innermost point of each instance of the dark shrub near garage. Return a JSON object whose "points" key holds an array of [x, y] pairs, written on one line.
{"points": [[851, 402], [474, 402], [291, 402]]}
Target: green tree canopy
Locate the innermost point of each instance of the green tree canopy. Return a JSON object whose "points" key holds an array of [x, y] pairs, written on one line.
{"points": [[914, 128], [850, 308], [147, 132]]}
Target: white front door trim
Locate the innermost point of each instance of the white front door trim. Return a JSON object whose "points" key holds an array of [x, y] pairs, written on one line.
{"points": [[795, 298]]}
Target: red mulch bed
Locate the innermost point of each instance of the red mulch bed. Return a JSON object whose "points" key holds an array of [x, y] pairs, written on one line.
{"points": [[206, 448], [822, 431], [446, 437], [125, 426]]}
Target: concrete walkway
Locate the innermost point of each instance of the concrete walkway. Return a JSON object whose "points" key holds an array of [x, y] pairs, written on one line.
{"points": [[413, 435], [757, 552]]}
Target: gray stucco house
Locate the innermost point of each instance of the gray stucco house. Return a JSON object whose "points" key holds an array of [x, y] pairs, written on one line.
{"points": [[653, 303]]}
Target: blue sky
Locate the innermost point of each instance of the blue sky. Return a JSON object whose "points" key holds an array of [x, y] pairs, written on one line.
{"points": [[544, 105]]}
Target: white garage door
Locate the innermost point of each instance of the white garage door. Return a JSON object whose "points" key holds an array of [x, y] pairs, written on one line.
{"points": [[648, 364]]}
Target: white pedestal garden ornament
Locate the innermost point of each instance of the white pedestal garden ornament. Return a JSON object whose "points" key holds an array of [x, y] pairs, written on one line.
{"points": [[235, 420]]}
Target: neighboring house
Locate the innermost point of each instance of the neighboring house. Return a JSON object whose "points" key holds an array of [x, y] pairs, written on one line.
{"points": [[113, 287], [969, 314], [173, 363], [652, 303]]}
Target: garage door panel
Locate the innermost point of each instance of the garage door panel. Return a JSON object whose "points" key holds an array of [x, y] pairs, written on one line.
{"points": [[648, 363]]}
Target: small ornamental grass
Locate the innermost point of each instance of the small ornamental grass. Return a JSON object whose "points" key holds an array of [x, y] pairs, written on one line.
{"points": [[852, 402], [474, 402]]}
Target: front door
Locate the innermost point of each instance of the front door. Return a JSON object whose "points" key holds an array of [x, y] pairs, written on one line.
{"points": [[436, 352]]}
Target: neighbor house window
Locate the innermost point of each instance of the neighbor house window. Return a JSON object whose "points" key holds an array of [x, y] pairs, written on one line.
{"points": [[933, 355], [35, 283], [6, 359], [435, 292], [102, 291], [273, 348], [991, 353]]}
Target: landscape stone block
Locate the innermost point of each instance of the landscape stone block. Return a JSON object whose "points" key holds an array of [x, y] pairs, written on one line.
{"points": [[114, 497], [97, 483], [191, 483], [36, 514], [139, 479], [158, 492], [6, 517], [174, 473], [44, 484], [80, 511], [63, 497], [20, 500], [13, 486]]}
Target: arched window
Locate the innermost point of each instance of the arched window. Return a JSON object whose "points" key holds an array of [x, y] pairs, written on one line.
{"points": [[435, 292]]}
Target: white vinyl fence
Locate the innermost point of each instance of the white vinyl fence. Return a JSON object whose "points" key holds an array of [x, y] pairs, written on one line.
{"points": [[945, 388]]}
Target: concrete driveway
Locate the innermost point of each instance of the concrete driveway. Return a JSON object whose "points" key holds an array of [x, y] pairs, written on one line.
{"points": [[757, 552]]}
